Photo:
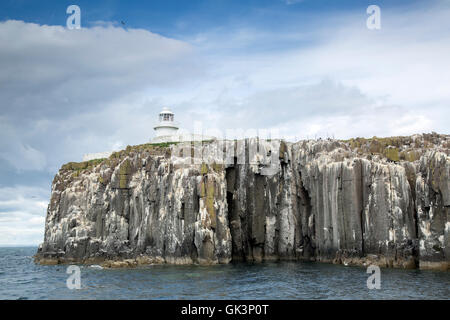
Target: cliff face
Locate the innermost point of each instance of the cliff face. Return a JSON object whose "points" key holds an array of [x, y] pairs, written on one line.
{"points": [[362, 201]]}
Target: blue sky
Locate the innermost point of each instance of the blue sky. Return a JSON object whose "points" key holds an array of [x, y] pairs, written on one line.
{"points": [[180, 18], [306, 68]]}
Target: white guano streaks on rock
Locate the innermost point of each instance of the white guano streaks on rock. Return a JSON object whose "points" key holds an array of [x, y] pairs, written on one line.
{"points": [[380, 200]]}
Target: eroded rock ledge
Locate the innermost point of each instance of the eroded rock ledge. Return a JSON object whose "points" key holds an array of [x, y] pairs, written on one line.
{"points": [[362, 201]]}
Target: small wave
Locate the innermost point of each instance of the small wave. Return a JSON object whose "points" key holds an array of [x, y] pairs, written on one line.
{"points": [[194, 275], [96, 266], [22, 281]]}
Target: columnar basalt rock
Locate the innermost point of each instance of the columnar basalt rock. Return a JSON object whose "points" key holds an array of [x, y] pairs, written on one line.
{"points": [[361, 207], [347, 202], [433, 210]]}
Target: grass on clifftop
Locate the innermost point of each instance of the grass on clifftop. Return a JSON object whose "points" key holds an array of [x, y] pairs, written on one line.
{"points": [[86, 165], [393, 148], [82, 165], [142, 147], [401, 148]]}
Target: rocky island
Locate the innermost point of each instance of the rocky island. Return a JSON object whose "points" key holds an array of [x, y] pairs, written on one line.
{"points": [[383, 201]]}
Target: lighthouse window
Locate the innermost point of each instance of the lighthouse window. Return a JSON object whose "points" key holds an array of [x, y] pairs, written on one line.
{"points": [[166, 116]]}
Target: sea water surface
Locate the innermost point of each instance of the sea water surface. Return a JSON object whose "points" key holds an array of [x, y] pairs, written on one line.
{"points": [[20, 278]]}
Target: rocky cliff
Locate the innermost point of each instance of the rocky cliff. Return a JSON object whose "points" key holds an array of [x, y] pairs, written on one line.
{"points": [[378, 201]]}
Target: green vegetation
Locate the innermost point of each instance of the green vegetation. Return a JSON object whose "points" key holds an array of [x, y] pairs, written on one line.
{"points": [[216, 167], [393, 148], [154, 148], [207, 193], [283, 150], [87, 165], [124, 173], [202, 190], [409, 156], [375, 144], [79, 166], [210, 203], [392, 154], [162, 144], [76, 174], [204, 169]]}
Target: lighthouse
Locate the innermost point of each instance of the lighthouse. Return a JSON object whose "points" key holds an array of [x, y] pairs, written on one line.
{"points": [[166, 130], [166, 126]]}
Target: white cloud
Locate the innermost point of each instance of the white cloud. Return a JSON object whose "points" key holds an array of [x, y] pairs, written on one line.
{"points": [[22, 215], [53, 77], [289, 2], [16, 151], [386, 82]]}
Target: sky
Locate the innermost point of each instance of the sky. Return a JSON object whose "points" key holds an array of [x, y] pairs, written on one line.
{"points": [[303, 68]]}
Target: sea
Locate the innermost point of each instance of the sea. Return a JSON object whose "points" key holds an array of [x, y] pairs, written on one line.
{"points": [[21, 278]]}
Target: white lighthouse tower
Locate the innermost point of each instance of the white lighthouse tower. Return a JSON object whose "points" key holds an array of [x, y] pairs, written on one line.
{"points": [[166, 128]]}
